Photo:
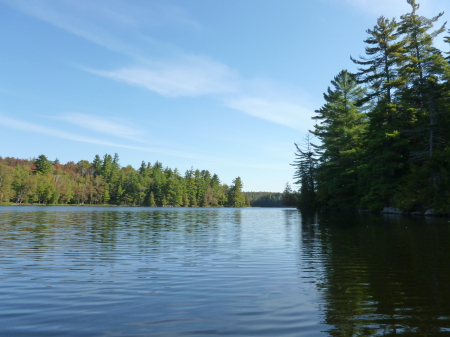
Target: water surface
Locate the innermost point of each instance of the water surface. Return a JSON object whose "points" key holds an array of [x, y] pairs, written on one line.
{"points": [[240, 272]]}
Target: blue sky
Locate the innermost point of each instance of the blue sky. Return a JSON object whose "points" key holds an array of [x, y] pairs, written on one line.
{"points": [[226, 86]]}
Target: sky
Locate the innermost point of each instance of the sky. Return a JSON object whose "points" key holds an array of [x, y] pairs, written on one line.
{"points": [[225, 86]]}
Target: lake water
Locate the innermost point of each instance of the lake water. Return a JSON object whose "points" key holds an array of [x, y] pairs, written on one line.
{"points": [[82, 271]]}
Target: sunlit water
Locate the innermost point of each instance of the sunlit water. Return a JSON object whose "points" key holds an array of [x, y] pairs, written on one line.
{"points": [[82, 271]]}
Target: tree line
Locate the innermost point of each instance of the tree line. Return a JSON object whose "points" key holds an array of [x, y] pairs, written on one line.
{"points": [[382, 138], [265, 199], [105, 182]]}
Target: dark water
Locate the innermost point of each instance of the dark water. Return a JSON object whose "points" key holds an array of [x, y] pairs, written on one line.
{"points": [[80, 271]]}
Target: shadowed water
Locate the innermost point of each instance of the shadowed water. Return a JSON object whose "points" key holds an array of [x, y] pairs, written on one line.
{"points": [[240, 272]]}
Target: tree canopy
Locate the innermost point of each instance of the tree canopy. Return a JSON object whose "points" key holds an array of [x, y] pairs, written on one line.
{"points": [[382, 138], [105, 181]]}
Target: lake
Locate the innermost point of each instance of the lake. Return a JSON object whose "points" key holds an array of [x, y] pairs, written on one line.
{"points": [[122, 271]]}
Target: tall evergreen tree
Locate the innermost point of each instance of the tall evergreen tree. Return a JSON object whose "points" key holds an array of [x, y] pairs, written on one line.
{"points": [[340, 128], [305, 174], [106, 167], [143, 168], [43, 165], [423, 68], [396, 154], [235, 196], [426, 97], [379, 68], [97, 165], [288, 197], [447, 40]]}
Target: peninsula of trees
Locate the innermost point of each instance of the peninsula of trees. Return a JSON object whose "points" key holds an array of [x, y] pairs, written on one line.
{"points": [[382, 138], [265, 199], [103, 181]]}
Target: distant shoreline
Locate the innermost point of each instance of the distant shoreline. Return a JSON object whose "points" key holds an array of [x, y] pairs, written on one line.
{"points": [[136, 206]]}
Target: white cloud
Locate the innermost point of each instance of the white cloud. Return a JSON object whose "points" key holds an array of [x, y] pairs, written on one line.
{"points": [[36, 128], [276, 111], [64, 15], [190, 76], [24, 126], [108, 126], [116, 25]]}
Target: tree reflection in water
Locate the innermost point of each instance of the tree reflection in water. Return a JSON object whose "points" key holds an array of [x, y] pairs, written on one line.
{"points": [[380, 275]]}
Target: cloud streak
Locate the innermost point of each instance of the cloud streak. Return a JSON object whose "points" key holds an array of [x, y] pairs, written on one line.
{"points": [[280, 112], [178, 75], [36, 128], [112, 24], [106, 126], [193, 76]]}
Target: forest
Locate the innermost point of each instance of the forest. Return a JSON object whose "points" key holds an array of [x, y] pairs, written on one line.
{"points": [[265, 199], [382, 137], [104, 182]]}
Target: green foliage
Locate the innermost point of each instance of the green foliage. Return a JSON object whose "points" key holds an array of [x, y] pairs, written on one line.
{"points": [[289, 197], [6, 180], [305, 174], [378, 68], [341, 126], [387, 143], [43, 165], [235, 196], [264, 199], [104, 181]]}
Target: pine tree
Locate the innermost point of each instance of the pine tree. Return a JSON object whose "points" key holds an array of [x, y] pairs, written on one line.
{"points": [[143, 168], [305, 172], [43, 165], [235, 196], [426, 99], [447, 40], [97, 165], [379, 69], [340, 128], [106, 167], [424, 69], [288, 198]]}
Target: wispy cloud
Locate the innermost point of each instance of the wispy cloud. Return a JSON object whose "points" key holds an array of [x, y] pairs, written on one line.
{"points": [[280, 112], [37, 128], [113, 127], [117, 25], [191, 76], [114, 24], [66, 15]]}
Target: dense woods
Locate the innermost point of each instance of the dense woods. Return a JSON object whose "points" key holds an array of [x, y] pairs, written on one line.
{"points": [[382, 138], [265, 199], [104, 181]]}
